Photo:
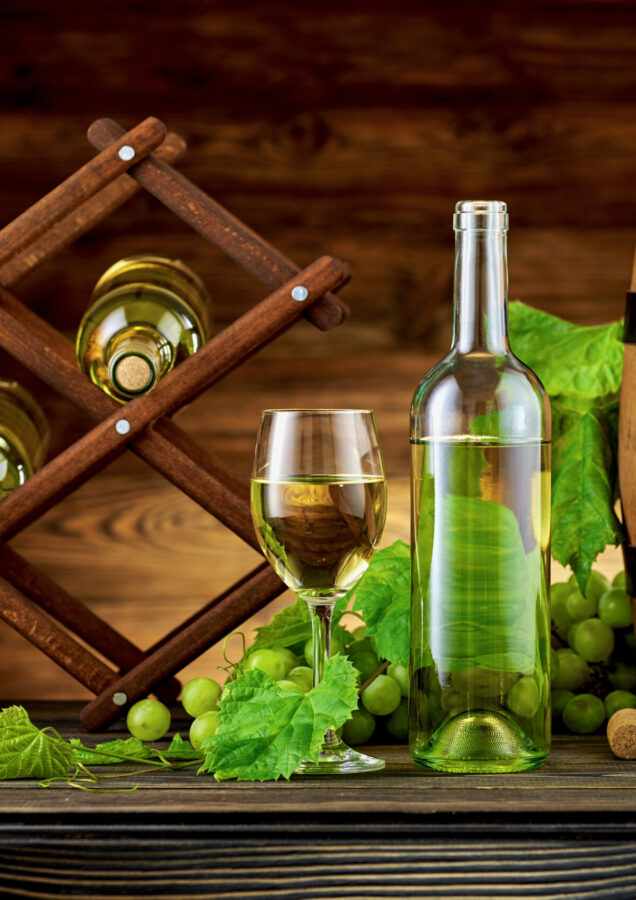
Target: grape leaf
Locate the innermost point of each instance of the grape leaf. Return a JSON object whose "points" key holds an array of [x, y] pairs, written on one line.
{"points": [[180, 749], [583, 488], [110, 752], [584, 362], [27, 752], [383, 598], [264, 731]]}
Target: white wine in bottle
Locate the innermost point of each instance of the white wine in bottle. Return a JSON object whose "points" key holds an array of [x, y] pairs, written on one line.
{"points": [[147, 313], [24, 436], [480, 615]]}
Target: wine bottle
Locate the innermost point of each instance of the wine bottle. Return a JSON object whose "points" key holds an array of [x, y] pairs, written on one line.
{"points": [[480, 453], [24, 436], [147, 313]]}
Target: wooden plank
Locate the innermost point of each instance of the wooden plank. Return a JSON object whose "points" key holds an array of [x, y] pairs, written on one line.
{"points": [[299, 868], [580, 777]]}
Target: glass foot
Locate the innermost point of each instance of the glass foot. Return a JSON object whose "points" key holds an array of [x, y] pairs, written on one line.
{"points": [[336, 758]]}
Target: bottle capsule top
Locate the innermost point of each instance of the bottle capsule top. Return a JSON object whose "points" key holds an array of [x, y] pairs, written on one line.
{"points": [[133, 374], [480, 215]]}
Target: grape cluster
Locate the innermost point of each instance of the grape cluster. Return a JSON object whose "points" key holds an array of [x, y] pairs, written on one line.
{"points": [[383, 701], [593, 671]]}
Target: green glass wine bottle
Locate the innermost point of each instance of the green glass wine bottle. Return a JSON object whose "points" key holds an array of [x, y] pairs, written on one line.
{"points": [[147, 313], [480, 445], [24, 436]]}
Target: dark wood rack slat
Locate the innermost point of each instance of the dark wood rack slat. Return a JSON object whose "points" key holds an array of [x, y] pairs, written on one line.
{"points": [[75, 616], [42, 631]]}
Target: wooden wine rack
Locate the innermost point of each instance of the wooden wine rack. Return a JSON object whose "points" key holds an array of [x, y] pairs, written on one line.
{"points": [[38, 608]]}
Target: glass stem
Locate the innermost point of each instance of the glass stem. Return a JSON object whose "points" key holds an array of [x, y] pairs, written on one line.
{"points": [[321, 612]]}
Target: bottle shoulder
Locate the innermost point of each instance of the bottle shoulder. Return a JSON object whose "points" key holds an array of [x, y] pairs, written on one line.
{"points": [[480, 394]]}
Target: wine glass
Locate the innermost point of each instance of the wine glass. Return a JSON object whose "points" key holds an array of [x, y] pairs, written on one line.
{"points": [[318, 498]]}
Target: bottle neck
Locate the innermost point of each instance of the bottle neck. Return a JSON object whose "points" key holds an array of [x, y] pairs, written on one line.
{"points": [[481, 292], [134, 363]]}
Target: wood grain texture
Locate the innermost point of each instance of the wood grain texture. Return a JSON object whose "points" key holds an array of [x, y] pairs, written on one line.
{"points": [[301, 869], [348, 131]]}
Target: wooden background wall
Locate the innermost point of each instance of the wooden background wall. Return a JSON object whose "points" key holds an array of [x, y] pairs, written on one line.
{"points": [[329, 127]]}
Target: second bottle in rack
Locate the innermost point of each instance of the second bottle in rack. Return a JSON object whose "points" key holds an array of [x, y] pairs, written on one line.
{"points": [[147, 313]]}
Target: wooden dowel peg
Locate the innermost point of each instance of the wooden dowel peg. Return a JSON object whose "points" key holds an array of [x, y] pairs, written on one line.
{"points": [[75, 616], [219, 226], [84, 183], [57, 644], [237, 604], [88, 214]]}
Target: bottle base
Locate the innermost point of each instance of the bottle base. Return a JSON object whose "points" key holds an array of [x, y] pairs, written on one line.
{"points": [[480, 742]]}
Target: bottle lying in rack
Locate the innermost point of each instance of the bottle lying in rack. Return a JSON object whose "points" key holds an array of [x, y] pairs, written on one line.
{"points": [[147, 313], [24, 436]]}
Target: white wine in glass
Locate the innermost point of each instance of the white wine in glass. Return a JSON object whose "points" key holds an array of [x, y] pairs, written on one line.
{"points": [[319, 507]]}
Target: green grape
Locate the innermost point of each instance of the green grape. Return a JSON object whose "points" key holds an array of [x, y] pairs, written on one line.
{"points": [[289, 686], [596, 586], [358, 633], [290, 659], [303, 676], [365, 645], [359, 728], [615, 608], [523, 698], [619, 700], [619, 581], [623, 677], [453, 701], [148, 720], [583, 714], [571, 633], [397, 724], [336, 648], [560, 699], [382, 696], [562, 619], [400, 674], [203, 727], [630, 641], [580, 607], [268, 661], [594, 640], [554, 663], [200, 695], [479, 682], [366, 664], [573, 672]]}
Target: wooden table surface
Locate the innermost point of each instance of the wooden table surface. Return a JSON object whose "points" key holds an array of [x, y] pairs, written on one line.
{"points": [[567, 829]]}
